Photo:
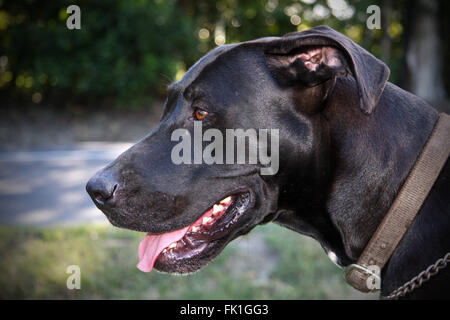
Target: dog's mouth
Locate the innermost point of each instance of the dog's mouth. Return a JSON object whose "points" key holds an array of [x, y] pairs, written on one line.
{"points": [[186, 249]]}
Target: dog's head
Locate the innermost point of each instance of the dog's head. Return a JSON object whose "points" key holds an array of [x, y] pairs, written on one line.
{"points": [[185, 184]]}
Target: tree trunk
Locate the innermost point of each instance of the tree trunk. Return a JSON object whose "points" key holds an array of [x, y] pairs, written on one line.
{"points": [[386, 12], [423, 58]]}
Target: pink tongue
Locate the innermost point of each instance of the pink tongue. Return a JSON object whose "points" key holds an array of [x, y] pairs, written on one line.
{"points": [[153, 244]]}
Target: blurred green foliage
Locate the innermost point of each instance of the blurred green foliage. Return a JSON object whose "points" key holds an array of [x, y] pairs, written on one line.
{"points": [[128, 50], [270, 263], [121, 51]]}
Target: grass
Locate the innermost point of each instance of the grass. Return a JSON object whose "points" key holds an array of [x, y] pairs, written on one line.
{"points": [[269, 263]]}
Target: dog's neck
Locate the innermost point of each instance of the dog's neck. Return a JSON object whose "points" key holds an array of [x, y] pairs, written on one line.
{"points": [[371, 156], [374, 155]]}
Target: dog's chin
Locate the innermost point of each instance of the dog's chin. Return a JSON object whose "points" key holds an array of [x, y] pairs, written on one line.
{"points": [[206, 238]]}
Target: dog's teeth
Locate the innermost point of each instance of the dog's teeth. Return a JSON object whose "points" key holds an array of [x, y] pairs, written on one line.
{"points": [[165, 250], [217, 208], [206, 220], [195, 229], [226, 201], [172, 245]]}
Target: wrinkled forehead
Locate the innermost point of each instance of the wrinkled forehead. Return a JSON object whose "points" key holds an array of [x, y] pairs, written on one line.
{"points": [[181, 87], [194, 72]]}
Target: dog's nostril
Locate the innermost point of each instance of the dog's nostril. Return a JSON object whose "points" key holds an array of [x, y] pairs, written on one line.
{"points": [[100, 199], [101, 189]]}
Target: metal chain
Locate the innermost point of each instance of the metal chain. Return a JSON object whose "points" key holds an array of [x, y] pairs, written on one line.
{"points": [[422, 277]]}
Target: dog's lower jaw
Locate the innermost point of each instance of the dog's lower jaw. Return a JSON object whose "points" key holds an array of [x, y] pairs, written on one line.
{"points": [[205, 240]]}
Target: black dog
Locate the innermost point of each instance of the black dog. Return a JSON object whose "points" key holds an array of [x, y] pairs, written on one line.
{"points": [[347, 141]]}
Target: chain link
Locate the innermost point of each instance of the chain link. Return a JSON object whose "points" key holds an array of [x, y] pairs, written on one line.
{"points": [[422, 277]]}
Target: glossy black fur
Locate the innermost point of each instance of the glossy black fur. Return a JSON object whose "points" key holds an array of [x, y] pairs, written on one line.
{"points": [[348, 139]]}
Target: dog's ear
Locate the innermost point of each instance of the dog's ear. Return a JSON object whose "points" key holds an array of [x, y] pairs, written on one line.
{"points": [[316, 55]]}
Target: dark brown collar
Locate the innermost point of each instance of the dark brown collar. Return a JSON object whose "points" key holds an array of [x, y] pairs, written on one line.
{"points": [[365, 274]]}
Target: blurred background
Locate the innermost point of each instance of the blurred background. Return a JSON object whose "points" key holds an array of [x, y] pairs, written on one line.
{"points": [[72, 100]]}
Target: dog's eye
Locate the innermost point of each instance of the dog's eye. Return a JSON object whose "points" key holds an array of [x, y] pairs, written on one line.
{"points": [[200, 114]]}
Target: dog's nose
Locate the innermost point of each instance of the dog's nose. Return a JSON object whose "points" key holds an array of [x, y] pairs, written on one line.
{"points": [[101, 189]]}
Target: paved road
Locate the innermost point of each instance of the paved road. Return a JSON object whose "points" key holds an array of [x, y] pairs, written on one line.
{"points": [[44, 188]]}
